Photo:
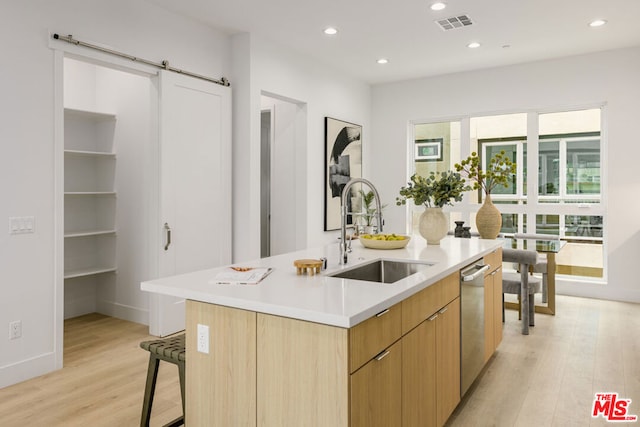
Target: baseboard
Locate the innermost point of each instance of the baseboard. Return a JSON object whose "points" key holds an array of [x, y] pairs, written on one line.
{"points": [[27, 369], [79, 306], [122, 311], [597, 290]]}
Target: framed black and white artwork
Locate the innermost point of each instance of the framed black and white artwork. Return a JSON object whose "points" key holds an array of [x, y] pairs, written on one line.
{"points": [[343, 161]]}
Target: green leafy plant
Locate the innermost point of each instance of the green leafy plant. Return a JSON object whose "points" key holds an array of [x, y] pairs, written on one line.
{"points": [[436, 190], [369, 207], [499, 171]]}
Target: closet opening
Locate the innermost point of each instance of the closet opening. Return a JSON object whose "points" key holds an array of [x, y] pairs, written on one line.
{"points": [[106, 190]]}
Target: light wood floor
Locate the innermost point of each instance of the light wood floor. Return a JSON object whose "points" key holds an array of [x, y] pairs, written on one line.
{"points": [[547, 378], [101, 384], [550, 377]]}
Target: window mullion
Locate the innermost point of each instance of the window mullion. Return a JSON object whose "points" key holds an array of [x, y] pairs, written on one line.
{"points": [[532, 158]]}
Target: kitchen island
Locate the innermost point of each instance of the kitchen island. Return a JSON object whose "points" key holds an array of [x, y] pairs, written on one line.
{"points": [[320, 350]]}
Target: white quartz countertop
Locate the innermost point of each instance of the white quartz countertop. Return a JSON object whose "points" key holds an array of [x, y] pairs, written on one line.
{"points": [[322, 299]]}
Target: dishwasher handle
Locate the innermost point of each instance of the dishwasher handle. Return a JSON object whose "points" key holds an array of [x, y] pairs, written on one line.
{"points": [[474, 272]]}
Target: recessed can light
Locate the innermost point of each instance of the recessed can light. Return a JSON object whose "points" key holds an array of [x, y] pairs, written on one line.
{"points": [[473, 45], [330, 31], [438, 6], [597, 23], [382, 61]]}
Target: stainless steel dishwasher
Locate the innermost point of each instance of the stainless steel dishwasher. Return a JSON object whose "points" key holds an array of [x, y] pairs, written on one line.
{"points": [[472, 323]]}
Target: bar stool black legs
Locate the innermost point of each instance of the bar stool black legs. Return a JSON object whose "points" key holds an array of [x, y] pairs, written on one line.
{"points": [[170, 350]]}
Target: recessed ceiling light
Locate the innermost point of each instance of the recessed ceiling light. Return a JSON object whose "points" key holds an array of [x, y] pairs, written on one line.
{"points": [[438, 6], [330, 31], [382, 61], [597, 23], [473, 45]]}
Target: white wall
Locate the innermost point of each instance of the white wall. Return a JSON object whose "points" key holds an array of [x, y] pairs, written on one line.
{"points": [[284, 167], [608, 77], [27, 135], [267, 68]]}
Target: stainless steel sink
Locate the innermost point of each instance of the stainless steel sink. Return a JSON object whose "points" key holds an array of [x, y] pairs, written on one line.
{"points": [[383, 271]]}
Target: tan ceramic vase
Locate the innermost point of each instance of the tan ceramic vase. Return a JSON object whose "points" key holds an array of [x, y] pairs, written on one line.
{"points": [[488, 219], [433, 225]]}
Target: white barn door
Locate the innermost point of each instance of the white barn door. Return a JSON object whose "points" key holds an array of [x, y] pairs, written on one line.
{"points": [[195, 186]]}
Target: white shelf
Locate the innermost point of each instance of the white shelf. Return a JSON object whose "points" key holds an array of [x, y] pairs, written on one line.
{"points": [[82, 153], [72, 274], [72, 234], [88, 114], [90, 193], [90, 199]]}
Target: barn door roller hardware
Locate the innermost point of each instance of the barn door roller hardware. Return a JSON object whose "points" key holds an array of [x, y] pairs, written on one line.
{"points": [[164, 64]]}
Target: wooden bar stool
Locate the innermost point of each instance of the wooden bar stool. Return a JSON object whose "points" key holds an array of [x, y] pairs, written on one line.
{"points": [[170, 350]]}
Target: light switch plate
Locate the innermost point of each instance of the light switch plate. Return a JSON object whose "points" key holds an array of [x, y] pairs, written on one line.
{"points": [[22, 224]]}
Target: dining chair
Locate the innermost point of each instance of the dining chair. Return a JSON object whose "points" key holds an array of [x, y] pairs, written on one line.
{"points": [[522, 283], [541, 266]]}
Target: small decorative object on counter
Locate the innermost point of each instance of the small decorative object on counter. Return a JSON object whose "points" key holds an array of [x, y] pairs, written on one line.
{"points": [[459, 230], [434, 192], [308, 266], [384, 241], [499, 172]]}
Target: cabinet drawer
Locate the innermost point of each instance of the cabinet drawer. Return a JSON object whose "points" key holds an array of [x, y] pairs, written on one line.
{"points": [[494, 259], [420, 306], [450, 288], [370, 337]]}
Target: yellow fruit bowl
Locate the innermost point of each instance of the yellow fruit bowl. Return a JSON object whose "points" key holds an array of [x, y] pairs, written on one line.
{"points": [[384, 241]]}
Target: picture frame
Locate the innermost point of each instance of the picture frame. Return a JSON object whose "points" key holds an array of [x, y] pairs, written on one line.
{"points": [[342, 162], [428, 150]]}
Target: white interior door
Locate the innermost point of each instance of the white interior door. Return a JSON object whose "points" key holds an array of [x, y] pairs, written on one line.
{"points": [[195, 186]]}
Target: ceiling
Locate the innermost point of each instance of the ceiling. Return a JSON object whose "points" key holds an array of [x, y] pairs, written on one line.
{"points": [[405, 31]]}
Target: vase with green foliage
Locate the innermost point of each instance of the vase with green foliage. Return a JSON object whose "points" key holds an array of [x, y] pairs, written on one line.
{"points": [[434, 192], [499, 171], [369, 211]]}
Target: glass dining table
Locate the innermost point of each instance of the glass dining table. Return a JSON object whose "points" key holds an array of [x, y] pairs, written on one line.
{"points": [[550, 248]]}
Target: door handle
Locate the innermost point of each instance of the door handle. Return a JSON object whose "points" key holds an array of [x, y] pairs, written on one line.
{"points": [[382, 355], [167, 229], [382, 313]]}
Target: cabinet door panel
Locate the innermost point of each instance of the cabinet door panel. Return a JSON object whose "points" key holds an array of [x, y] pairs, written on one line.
{"points": [[419, 376], [493, 312], [448, 357], [376, 390], [497, 307]]}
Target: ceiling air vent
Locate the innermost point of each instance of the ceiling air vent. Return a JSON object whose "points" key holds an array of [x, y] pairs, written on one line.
{"points": [[459, 21]]}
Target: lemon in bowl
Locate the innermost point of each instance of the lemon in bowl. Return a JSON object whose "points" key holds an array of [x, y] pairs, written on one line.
{"points": [[384, 241]]}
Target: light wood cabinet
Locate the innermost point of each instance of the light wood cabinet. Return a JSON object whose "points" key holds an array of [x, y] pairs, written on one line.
{"points": [[492, 303], [376, 390], [448, 360], [431, 354], [419, 375], [221, 385], [375, 334], [386, 371]]}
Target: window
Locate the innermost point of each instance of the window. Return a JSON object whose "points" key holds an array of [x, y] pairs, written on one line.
{"points": [[565, 200]]}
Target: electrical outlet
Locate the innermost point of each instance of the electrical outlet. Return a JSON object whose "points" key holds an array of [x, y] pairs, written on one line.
{"points": [[203, 338], [15, 329]]}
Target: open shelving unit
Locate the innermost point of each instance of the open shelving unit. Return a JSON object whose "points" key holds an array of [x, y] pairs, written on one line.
{"points": [[89, 194]]}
